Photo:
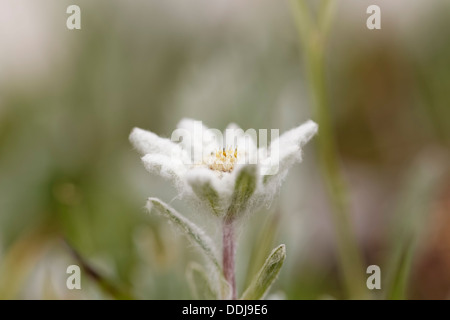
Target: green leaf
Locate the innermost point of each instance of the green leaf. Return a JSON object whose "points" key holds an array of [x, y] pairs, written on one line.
{"points": [[195, 233], [201, 286], [266, 275], [206, 192], [244, 188]]}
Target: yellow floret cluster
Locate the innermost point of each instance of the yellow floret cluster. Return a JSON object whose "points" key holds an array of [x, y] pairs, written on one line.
{"points": [[222, 160]]}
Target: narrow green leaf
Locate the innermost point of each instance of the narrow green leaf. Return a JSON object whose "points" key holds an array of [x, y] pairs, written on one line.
{"points": [[244, 188], [195, 233], [266, 275], [206, 192]]}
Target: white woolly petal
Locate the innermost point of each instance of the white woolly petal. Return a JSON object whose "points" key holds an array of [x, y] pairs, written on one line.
{"points": [[246, 147], [284, 152], [203, 175], [287, 149], [147, 142], [167, 167], [233, 126], [189, 124], [198, 140], [300, 135]]}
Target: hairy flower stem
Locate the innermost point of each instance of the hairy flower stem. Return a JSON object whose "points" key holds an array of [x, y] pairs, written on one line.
{"points": [[228, 255]]}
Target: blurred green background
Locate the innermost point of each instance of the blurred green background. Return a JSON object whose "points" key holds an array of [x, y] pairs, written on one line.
{"points": [[68, 100]]}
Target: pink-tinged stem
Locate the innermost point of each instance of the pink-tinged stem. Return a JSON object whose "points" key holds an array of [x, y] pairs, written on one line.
{"points": [[228, 255]]}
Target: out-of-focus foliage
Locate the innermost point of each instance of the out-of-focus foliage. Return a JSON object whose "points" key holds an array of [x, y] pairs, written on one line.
{"points": [[68, 100]]}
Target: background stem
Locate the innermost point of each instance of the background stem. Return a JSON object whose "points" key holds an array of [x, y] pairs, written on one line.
{"points": [[104, 283], [313, 39], [228, 255]]}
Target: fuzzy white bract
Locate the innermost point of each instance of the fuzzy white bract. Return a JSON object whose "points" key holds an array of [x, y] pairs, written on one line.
{"points": [[226, 180]]}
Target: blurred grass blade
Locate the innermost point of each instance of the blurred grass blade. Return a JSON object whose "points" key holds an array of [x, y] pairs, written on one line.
{"points": [[314, 48], [20, 261], [410, 222], [104, 283], [201, 286], [192, 231], [326, 11], [398, 278], [267, 275]]}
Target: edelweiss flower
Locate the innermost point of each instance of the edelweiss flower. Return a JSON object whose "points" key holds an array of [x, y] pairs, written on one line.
{"points": [[227, 180]]}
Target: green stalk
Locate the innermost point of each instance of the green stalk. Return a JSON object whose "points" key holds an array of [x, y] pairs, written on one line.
{"points": [[313, 38]]}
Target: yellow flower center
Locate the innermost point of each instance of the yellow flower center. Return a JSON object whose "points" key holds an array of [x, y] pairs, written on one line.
{"points": [[222, 160]]}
